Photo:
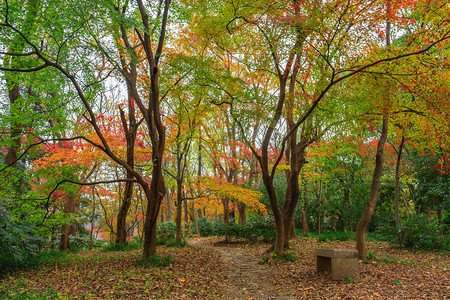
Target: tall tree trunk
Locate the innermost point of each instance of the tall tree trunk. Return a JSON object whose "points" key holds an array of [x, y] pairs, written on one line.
{"points": [[397, 182], [130, 128], [194, 218], [369, 208], [169, 205], [319, 199], [305, 227], [179, 212], [13, 81]]}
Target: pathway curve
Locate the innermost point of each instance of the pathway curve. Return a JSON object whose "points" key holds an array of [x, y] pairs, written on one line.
{"points": [[246, 279]]}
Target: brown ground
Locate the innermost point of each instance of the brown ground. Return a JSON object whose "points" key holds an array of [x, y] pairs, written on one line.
{"points": [[209, 269]]}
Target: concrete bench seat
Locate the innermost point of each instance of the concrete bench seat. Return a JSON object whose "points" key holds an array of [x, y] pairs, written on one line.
{"points": [[339, 262]]}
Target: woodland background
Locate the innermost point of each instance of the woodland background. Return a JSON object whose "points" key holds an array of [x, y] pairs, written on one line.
{"points": [[143, 122]]}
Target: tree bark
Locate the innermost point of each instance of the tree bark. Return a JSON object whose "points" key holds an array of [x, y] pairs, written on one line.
{"points": [[397, 182], [65, 230], [369, 208]]}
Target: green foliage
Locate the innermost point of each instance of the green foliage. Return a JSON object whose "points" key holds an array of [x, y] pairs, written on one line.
{"points": [[262, 226], [166, 230], [29, 261], [133, 245], [418, 233], [331, 235], [17, 241], [348, 279], [172, 242], [156, 261], [287, 257], [205, 227]]}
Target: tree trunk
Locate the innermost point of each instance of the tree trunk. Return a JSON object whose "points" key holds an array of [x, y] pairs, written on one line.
{"points": [[397, 182], [169, 205], [369, 208], [186, 215], [226, 210], [194, 218], [65, 231], [242, 215], [179, 212], [305, 227], [350, 211]]}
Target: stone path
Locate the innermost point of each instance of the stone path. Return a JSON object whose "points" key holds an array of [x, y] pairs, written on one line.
{"points": [[246, 279]]}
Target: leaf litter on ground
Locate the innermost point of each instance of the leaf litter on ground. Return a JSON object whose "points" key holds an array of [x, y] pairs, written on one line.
{"points": [[212, 269]]}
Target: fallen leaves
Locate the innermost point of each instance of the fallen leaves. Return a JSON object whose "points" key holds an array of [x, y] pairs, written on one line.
{"points": [[213, 270]]}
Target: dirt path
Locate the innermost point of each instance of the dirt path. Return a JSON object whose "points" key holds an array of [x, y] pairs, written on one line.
{"points": [[245, 278]]}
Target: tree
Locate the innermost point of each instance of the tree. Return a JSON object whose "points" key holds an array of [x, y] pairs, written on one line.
{"points": [[150, 109], [284, 38]]}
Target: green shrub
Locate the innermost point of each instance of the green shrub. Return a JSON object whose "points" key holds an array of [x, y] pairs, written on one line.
{"points": [[335, 236], [167, 230], [205, 227], [263, 226], [18, 243], [418, 233], [132, 245], [172, 242]]}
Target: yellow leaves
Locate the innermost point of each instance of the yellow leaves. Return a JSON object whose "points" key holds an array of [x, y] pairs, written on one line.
{"points": [[218, 188]]}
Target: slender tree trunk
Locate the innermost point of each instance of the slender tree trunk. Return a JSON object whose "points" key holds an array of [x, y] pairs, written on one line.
{"points": [[179, 212], [194, 218], [91, 237], [169, 205], [397, 182], [363, 223], [305, 227], [186, 215], [319, 198]]}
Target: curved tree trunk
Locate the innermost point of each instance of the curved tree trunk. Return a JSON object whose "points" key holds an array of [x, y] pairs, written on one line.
{"points": [[369, 208]]}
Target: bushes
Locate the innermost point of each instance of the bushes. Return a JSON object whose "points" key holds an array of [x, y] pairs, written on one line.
{"points": [[205, 227], [134, 244], [418, 233], [262, 226], [18, 243]]}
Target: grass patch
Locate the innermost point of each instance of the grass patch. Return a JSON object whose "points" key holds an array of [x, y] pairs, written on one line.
{"points": [[155, 261]]}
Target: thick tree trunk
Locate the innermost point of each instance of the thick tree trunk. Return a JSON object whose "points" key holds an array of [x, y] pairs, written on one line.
{"points": [[121, 237], [65, 231], [226, 210], [363, 223], [242, 215]]}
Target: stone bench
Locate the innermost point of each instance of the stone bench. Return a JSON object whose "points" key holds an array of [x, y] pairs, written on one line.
{"points": [[339, 262]]}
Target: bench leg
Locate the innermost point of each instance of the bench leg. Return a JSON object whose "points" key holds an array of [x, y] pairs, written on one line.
{"points": [[343, 267], [323, 264]]}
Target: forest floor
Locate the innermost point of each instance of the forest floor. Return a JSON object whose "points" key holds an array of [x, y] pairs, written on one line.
{"points": [[210, 269]]}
